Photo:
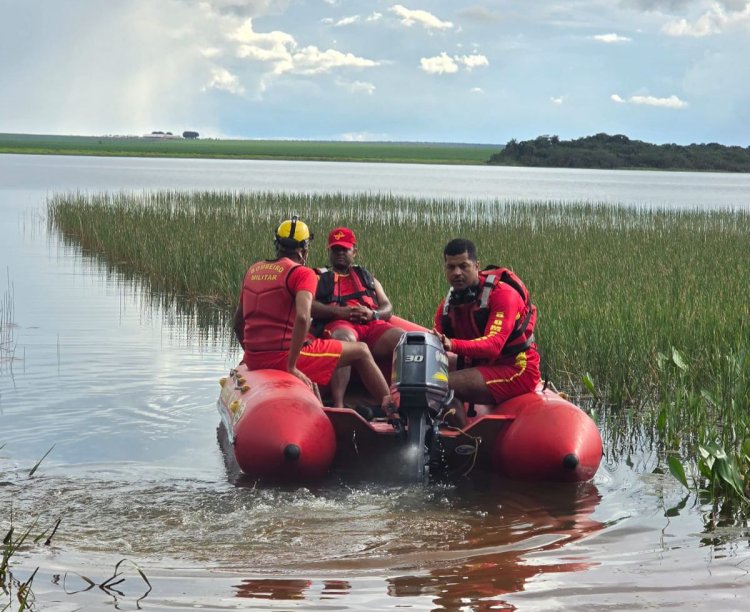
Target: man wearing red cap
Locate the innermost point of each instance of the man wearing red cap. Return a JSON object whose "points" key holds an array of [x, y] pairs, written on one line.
{"points": [[273, 318], [350, 305]]}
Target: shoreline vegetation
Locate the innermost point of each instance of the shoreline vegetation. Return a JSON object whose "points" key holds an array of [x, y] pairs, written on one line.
{"points": [[618, 152], [600, 151], [633, 307], [208, 148]]}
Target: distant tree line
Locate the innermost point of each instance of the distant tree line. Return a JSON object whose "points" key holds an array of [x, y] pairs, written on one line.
{"points": [[605, 151]]}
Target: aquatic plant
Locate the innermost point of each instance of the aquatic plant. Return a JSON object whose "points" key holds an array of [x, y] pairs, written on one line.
{"points": [[13, 541], [710, 428], [7, 341], [615, 286]]}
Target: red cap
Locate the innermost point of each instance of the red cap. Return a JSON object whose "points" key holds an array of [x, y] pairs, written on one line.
{"points": [[342, 236]]}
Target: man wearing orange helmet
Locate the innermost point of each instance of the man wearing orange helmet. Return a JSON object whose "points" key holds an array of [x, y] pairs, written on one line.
{"points": [[273, 318], [351, 305]]}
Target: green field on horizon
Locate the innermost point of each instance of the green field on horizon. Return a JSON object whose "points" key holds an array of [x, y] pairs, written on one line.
{"points": [[122, 146]]}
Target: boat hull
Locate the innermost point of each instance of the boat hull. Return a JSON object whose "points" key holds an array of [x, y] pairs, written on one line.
{"points": [[280, 431], [276, 425]]}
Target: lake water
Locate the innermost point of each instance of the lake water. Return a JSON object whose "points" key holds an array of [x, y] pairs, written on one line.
{"points": [[123, 391]]}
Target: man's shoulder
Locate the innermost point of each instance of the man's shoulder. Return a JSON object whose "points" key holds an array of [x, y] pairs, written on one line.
{"points": [[363, 272], [303, 271]]}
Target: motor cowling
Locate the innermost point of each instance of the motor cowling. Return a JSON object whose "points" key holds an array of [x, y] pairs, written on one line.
{"points": [[419, 377]]}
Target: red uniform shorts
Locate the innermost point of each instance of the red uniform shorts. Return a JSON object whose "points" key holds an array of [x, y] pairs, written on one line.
{"points": [[317, 360], [506, 381], [369, 332]]}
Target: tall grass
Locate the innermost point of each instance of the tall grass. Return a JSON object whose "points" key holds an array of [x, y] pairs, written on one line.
{"points": [[614, 286], [651, 305]]}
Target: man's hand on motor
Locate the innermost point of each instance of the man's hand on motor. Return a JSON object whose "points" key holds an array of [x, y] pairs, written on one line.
{"points": [[444, 340]]}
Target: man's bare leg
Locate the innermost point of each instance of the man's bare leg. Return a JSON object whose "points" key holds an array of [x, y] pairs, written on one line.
{"points": [[468, 386], [386, 344], [357, 355], [342, 373]]}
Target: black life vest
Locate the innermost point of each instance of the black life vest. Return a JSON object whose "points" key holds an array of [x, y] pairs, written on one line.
{"points": [[517, 341], [363, 279], [326, 288]]}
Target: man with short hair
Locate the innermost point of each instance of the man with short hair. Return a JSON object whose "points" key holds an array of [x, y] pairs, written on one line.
{"points": [[487, 320], [351, 305], [273, 318]]}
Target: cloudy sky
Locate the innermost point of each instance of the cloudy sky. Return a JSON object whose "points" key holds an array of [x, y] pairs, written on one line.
{"points": [[481, 71]]}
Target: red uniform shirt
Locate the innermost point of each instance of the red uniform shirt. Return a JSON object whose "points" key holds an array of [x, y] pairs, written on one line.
{"points": [[505, 307], [268, 302], [268, 307]]}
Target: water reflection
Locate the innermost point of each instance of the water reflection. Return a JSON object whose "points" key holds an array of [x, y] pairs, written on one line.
{"points": [[463, 548], [288, 589], [532, 517]]}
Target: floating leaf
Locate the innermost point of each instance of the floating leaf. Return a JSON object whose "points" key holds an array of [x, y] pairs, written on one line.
{"points": [[676, 469]]}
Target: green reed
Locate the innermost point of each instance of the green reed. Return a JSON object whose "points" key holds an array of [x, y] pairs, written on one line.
{"points": [[620, 291], [614, 286], [14, 541], [7, 343]]}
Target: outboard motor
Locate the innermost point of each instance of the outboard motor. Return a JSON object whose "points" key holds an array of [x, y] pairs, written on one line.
{"points": [[420, 371], [419, 384]]}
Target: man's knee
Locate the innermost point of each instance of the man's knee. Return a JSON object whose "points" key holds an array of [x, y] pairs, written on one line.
{"points": [[469, 385], [345, 335], [356, 351]]}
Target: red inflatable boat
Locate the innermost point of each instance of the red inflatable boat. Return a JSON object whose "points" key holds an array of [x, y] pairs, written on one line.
{"points": [[280, 431]]}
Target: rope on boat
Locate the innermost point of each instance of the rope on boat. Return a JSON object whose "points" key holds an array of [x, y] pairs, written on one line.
{"points": [[476, 439]]}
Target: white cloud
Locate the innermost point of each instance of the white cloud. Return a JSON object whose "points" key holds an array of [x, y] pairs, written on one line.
{"points": [[713, 21], [312, 60], [472, 61], [427, 20], [357, 87], [441, 64], [210, 52], [670, 102], [476, 90], [445, 64], [611, 38], [352, 19], [270, 47], [281, 51], [557, 100], [363, 137], [224, 80], [345, 21]]}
